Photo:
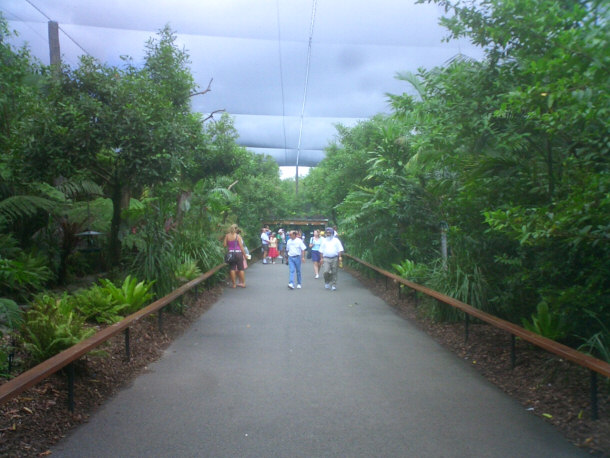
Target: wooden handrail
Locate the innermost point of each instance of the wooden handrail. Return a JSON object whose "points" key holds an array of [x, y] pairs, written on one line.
{"points": [[582, 359], [22, 382]]}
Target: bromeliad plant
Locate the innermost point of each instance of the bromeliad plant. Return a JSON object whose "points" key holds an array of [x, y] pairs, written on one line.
{"points": [[546, 323], [133, 294], [187, 270]]}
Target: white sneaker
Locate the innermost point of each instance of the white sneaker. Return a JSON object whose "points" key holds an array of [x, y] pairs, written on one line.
{"points": [[290, 285], [317, 276], [334, 288], [327, 286], [298, 286]]}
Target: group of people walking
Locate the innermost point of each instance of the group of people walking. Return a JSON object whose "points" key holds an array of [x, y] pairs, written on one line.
{"points": [[326, 255]]}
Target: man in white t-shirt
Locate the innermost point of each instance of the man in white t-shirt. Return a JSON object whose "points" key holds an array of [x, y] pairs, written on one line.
{"points": [[331, 250], [295, 249], [265, 243]]}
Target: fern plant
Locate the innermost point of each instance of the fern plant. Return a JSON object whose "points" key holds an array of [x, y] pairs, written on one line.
{"points": [[22, 275], [11, 318], [133, 294], [97, 304], [51, 326]]}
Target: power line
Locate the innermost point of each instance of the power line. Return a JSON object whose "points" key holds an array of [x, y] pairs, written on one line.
{"points": [[313, 18], [279, 46], [58, 26]]}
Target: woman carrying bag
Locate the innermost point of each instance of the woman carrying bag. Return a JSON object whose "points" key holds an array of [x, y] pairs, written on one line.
{"points": [[235, 248]]}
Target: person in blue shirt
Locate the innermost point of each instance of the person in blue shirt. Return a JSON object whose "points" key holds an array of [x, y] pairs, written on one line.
{"points": [[314, 246]]}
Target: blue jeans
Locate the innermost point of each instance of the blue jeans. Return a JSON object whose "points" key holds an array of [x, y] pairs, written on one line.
{"points": [[294, 265]]}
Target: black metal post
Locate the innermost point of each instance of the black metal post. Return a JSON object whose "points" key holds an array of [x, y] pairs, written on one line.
{"points": [[594, 409], [71, 387], [127, 346], [466, 326], [11, 355], [513, 351]]}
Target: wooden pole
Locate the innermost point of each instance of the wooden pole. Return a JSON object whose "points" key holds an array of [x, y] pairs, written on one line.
{"points": [[54, 44]]}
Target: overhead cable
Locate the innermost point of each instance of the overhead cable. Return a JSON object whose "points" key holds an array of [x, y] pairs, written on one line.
{"points": [[279, 47], [313, 18], [59, 27]]}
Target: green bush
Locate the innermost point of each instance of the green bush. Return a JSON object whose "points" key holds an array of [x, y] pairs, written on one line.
{"points": [[23, 275], [51, 326], [11, 318], [187, 270], [546, 323], [131, 293], [97, 304]]}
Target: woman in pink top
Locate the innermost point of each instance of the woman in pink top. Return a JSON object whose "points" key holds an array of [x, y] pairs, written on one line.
{"points": [[234, 244]]}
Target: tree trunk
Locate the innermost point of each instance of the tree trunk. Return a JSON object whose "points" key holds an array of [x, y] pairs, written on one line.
{"points": [[115, 225]]}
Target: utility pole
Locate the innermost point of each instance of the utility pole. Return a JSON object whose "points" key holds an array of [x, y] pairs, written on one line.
{"points": [[54, 45]]}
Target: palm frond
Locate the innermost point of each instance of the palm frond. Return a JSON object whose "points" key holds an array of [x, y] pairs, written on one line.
{"points": [[17, 207]]}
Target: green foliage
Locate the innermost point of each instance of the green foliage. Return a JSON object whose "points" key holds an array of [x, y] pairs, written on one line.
{"points": [[598, 345], [11, 316], [133, 294], [98, 304], [23, 275], [155, 258], [409, 270], [546, 323], [50, 326], [187, 270]]}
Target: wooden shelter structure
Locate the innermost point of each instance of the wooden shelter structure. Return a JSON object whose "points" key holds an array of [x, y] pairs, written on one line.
{"points": [[296, 222]]}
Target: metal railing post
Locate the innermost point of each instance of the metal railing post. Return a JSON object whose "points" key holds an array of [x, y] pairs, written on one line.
{"points": [[127, 345], [594, 407], [70, 369], [513, 351]]}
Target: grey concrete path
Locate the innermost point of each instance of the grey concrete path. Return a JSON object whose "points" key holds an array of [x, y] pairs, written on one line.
{"points": [[273, 372]]}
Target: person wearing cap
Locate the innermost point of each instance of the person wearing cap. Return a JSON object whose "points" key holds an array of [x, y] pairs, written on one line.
{"points": [[295, 249], [331, 250]]}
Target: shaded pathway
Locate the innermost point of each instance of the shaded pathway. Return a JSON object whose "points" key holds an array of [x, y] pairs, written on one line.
{"points": [[273, 372]]}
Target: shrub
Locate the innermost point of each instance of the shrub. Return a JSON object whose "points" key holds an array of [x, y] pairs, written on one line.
{"points": [[546, 323], [132, 294], [97, 304], [51, 326]]}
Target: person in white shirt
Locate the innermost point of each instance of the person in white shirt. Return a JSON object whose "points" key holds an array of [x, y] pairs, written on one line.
{"points": [[295, 249], [331, 250], [265, 244]]}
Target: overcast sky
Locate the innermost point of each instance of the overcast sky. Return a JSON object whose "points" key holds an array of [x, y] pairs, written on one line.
{"points": [[257, 53]]}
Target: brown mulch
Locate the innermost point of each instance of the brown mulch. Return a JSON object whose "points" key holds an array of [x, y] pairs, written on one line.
{"points": [[553, 389]]}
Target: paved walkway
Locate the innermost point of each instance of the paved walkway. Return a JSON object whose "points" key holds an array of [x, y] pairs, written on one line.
{"points": [[273, 372]]}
